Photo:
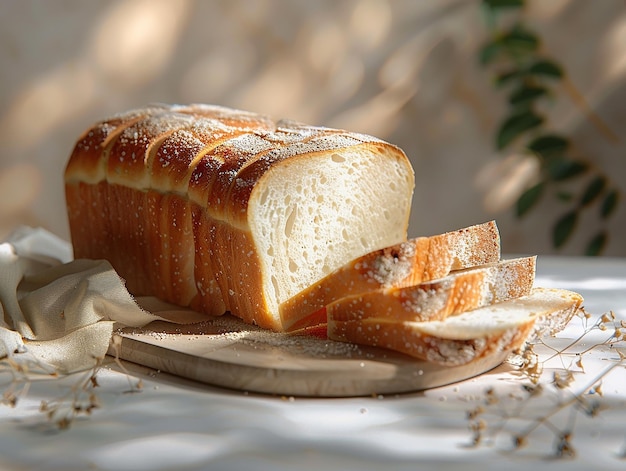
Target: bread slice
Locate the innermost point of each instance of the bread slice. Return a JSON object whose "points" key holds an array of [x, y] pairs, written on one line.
{"points": [[224, 210], [434, 300], [467, 337], [408, 263]]}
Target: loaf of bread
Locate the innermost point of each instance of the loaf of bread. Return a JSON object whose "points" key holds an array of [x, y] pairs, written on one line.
{"points": [[409, 263], [294, 228], [460, 291], [467, 337], [224, 210]]}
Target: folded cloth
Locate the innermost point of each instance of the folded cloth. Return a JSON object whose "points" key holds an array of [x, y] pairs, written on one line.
{"points": [[58, 315]]}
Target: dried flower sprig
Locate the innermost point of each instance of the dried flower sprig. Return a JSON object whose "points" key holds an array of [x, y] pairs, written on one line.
{"points": [[497, 415], [116, 343], [21, 369], [79, 400]]}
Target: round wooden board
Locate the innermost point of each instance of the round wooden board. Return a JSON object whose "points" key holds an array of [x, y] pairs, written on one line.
{"points": [[225, 352]]}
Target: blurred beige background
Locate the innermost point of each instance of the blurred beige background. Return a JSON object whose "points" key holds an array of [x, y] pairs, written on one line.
{"points": [[403, 70]]}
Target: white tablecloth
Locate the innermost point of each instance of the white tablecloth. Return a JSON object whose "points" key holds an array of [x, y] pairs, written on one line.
{"points": [[177, 424]]}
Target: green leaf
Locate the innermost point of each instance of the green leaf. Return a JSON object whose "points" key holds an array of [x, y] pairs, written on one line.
{"points": [[489, 52], [494, 4], [564, 228], [546, 68], [515, 125], [593, 190], [596, 244], [609, 204], [549, 145], [528, 199], [509, 76], [565, 196], [561, 169], [520, 41], [542, 68], [526, 94]]}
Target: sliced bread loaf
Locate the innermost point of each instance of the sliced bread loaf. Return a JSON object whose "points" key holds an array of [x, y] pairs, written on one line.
{"points": [[469, 336], [433, 300], [409, 263]]}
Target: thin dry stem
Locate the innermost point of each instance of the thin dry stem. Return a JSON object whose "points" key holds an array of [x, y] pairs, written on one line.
{"points": [[79, 400], [594, 118], [585, 399]]}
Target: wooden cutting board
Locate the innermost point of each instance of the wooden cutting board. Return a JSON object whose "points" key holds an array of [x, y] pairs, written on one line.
{"points": [[225, 352]]}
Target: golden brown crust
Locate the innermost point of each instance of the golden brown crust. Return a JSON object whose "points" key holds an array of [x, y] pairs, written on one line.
{"points": [[402, 337], [170, 166], [232, 156], [88, 159], [145, 235], [133, 151]]}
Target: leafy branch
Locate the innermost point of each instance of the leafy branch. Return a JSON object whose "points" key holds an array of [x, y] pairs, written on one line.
{"points": [[529, 77]]}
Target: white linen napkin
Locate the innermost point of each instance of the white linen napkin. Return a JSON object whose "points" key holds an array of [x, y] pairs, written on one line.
{"points": [[57, 314]]}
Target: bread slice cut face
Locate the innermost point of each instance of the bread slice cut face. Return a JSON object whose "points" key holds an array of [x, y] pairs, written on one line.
{"points": [[309, 215]]}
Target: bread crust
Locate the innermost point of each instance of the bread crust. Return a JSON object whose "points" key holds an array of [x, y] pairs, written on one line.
{"points": [[446, 352]]}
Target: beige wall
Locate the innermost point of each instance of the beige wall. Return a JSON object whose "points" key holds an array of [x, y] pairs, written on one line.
{"points": [[403, 70]]}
